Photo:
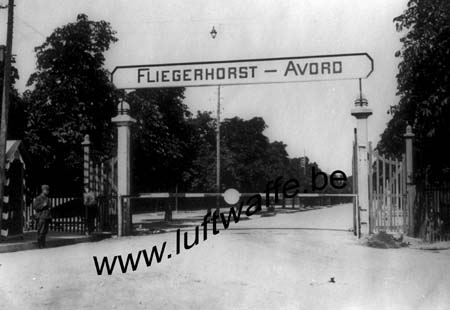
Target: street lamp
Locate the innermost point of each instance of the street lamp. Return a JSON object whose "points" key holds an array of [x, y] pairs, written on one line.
{"points": [[213, 35], [213, 32]]}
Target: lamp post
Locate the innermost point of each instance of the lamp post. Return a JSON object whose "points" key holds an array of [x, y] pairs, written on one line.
{"points": [[213, 34]]}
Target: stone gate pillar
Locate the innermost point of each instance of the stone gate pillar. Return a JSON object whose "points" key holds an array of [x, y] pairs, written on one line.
{"points": [[410, 184], [86, 162], [123, 121], [362, 113]]}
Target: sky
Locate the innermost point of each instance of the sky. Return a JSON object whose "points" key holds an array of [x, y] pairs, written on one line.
{"points": [[311, 118]]}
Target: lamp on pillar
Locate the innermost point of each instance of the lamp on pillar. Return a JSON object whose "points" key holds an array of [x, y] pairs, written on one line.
{"points": [[361, 112], [123, 107], [123, 121]]}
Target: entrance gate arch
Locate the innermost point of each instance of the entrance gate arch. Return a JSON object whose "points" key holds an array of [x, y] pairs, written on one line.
{"points": [[355, 66]]}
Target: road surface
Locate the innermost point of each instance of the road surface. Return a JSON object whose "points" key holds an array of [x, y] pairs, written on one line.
{"points": [[280, 262]]}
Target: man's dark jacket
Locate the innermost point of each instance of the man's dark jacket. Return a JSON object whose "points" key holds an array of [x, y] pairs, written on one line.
{"points": [[42, 206]]}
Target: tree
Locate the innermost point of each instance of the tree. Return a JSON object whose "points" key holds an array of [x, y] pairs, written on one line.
{"points": [[423, 86], [248, 159], [71, 96], [201, 175], [162, 139], [277, 161], [248, 146]]}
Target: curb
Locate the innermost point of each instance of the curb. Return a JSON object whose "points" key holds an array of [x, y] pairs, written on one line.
{"points": [[31, 245]]}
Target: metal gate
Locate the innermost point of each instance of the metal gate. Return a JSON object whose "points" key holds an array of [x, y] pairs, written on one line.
{"points": [[102, 180], [387, 194], [69, 213]]}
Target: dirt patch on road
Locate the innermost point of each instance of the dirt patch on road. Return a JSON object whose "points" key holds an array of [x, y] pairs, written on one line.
{"points": [[383, 240]]}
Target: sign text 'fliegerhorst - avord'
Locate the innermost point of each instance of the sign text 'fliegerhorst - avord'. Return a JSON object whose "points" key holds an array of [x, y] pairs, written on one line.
{"points": [[235, 72]]}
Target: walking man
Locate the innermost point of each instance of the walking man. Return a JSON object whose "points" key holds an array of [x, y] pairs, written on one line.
{"points": [[42, 207]]}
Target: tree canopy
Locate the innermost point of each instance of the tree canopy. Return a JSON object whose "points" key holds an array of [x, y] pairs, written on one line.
{"points": [[71, 96], [162, 138], [423, 86], [248, 159]]}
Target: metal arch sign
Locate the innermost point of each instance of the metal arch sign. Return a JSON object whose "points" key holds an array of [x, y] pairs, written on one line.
{"points": [[250, 71]]}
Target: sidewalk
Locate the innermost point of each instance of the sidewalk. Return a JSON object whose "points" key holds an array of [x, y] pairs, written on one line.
{"points": [[54, 239]]}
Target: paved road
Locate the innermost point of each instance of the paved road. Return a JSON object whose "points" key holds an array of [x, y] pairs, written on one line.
{"points": [[261, 263]]}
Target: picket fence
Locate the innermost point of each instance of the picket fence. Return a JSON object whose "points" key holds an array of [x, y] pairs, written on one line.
{"points": [[75, 224], [432, 212]]}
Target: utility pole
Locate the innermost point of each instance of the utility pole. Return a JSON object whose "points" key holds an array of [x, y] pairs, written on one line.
{"points": [[213, 34], [5, 103], [218, 152]]}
